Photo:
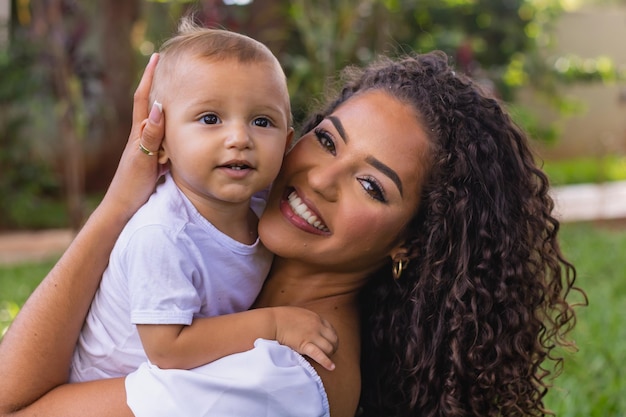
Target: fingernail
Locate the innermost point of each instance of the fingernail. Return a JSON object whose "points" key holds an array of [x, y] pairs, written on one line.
{"points": [[156, 112]]}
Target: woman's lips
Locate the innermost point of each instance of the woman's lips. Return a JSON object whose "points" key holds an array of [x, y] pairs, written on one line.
{"points": [[302, 215]]}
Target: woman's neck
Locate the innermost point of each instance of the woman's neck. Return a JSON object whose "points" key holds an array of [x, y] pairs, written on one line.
{"points": [[334, 296], [295, 284]]}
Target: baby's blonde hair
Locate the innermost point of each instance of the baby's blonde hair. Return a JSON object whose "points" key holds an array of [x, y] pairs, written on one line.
{"points": [[196, 41]]}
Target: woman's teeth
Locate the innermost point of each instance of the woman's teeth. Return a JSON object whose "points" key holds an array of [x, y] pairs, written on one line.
{"points": [[303, 212]]}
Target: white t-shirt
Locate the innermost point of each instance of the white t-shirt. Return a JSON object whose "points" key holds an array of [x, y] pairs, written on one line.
{"points": [[168, 266], [270, 380]]}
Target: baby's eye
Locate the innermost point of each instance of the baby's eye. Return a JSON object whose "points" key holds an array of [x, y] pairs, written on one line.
{"points": [[326, 140], [373, 189], [210, 119], [262, 122]]}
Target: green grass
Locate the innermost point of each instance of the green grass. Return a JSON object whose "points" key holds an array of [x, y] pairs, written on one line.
{"points": [[16, 284], [593, 381]]}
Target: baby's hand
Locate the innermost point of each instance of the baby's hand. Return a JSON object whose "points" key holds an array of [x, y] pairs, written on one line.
{"points": [[307, 333]]}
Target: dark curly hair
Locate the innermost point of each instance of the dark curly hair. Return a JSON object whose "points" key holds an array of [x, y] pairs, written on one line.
{"points": [[482, 304]]}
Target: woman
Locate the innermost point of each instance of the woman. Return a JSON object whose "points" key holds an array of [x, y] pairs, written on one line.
{"points": [[410, 215]]}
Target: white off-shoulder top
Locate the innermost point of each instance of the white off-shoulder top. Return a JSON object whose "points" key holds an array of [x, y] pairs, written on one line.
{"points": [[268, 380]]}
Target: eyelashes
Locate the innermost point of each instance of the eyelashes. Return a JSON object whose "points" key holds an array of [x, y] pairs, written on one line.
{"points": [[213, 119], [326, 140], [373, 188], [210, 119], [370, 185], [262, 122]]}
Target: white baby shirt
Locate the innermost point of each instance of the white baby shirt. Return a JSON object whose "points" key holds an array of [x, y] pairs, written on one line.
{"points": [[168, 266]]}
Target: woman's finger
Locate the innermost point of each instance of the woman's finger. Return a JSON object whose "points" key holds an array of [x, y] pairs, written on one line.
{"points": [[138, 171], [153, 131], [141, 97]]}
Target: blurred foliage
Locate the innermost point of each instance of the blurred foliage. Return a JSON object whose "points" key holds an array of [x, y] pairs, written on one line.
{"points": [[586, 170], [529, 121], [505, 44], [574, 69], [27, 184], [486, 38]]}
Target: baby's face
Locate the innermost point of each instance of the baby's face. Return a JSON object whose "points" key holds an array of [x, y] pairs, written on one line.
{"points": [[226, 127]]}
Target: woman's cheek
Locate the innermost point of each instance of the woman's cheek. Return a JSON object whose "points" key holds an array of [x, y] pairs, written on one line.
{"points": [[372, 230]]}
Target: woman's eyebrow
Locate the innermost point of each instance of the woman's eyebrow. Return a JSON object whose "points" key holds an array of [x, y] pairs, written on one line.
{"points": [[339, 126], [385, 170], [370, 159]]}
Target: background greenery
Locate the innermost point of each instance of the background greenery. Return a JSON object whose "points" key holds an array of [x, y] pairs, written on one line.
{"points": [[16, 284], [69, 69], [592, 383], [586, 170]]}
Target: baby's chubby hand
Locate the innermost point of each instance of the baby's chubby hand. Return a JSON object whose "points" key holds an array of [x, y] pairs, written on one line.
{"points": [[307, 333]]}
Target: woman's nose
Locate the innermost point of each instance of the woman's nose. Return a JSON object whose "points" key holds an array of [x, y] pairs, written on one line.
{"points": [[238, 137], [324, 179]]}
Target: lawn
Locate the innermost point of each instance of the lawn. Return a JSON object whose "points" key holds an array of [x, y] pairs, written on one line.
{"points": [[594, 378], [16, 284]]}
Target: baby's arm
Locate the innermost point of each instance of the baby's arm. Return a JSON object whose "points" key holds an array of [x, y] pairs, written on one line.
{"points": [[208, 339]]}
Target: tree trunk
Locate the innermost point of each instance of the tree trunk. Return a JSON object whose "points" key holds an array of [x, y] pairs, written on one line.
{"points": [[119, 73], [61, 39]]}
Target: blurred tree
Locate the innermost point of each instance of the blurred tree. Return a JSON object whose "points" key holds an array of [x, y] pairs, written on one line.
{"points": [[114, 72], [89, 56], [503, 44], [80, 113], [324, 37], [25, 174], [62, 36], [496, 41], [483, 36]]}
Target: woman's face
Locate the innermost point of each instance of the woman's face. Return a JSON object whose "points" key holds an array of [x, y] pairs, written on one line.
{"points": [[349, 187]]}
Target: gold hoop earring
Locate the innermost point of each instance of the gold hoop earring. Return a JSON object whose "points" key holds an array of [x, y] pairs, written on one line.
{"points": [[397, 267]]}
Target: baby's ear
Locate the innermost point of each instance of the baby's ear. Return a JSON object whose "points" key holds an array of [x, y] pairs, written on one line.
{"points": [[163, 157], [288, 142]]}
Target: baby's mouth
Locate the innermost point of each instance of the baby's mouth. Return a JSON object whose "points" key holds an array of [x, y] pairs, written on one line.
{"points": [[237, 167]]}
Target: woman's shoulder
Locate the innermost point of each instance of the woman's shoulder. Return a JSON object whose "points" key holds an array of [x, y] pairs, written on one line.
{"points": [[343, 384]]}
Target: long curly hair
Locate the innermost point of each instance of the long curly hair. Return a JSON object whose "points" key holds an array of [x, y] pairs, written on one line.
{"points": [[467, 328]]}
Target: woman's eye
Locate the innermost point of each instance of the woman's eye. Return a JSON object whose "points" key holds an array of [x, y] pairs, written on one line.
{"points": [[210, 119], [326, 140], [373, 189], [262, 122]]}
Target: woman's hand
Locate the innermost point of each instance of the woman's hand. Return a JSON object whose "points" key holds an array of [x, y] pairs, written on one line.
{"points": [[139, 170]]}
